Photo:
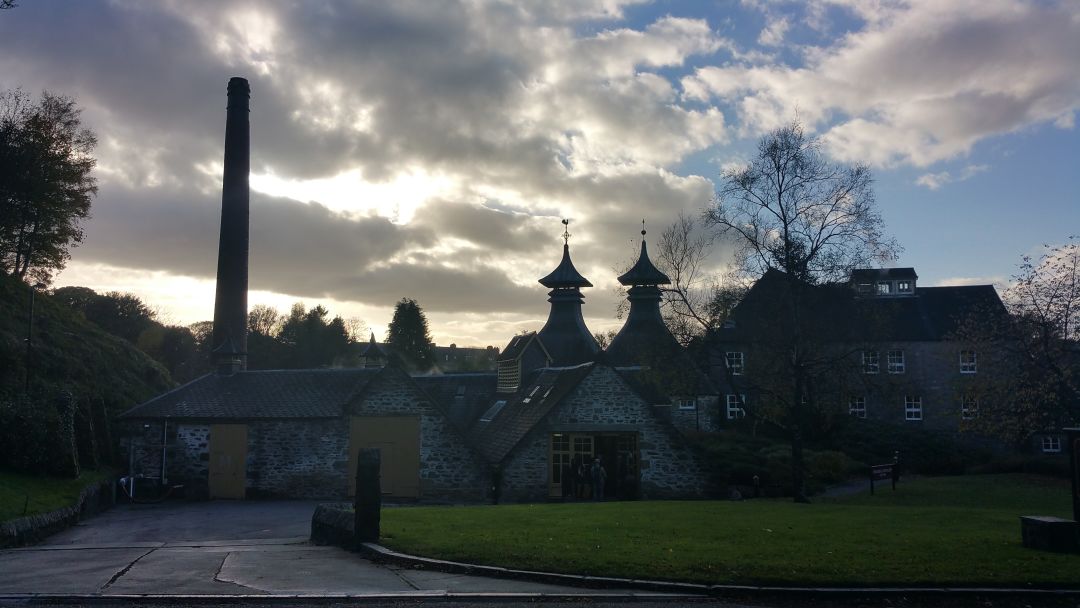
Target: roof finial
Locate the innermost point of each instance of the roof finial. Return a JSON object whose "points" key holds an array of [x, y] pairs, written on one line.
{"points": [[642, 227], [566, 231]]}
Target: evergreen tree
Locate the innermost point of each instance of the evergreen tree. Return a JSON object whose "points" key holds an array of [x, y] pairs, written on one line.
{"points": [[408, 336]]}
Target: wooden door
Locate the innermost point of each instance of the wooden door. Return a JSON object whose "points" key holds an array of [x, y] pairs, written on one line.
{"points": [[398, 440], [228, 460]]}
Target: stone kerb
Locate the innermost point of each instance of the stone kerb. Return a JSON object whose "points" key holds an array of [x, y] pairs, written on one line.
{"points": [[34, 528]]}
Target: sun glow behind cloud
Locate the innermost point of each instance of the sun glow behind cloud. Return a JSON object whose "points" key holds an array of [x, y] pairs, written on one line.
{"points": [[349, 193]]}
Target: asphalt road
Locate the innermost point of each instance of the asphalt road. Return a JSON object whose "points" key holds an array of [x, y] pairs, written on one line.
{"points": [[218, 548]]}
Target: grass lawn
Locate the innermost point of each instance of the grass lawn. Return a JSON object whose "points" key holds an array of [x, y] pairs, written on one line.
{"points": [[954, 530], [41, 494]]}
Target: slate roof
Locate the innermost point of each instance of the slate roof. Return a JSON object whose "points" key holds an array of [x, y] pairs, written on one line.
{"points": [[303, 393], [517, 346], [565, 275], [462, 397], [524, 409], [835, 310], [869, 275], [644, 272]]}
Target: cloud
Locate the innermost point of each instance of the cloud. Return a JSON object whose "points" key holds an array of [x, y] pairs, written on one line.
{"points": [[922, 82], [935, 181]]}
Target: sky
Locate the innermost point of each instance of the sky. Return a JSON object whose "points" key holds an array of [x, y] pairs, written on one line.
{"points": [[429, 149]]}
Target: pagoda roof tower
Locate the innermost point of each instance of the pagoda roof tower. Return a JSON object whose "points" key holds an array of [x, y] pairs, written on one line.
{"points": [[644, 338], [565, 335]]}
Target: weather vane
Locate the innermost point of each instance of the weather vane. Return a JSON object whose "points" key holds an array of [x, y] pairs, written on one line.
{"points": [[566, 231]]}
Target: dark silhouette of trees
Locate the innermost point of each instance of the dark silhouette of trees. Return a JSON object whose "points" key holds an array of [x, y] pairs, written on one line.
{"points": [[310, 339], [790, 209], [45, 184], [408, 336], [125, 315]]}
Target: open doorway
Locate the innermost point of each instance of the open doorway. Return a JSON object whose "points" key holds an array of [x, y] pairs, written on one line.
{"points": [[572, 455]]}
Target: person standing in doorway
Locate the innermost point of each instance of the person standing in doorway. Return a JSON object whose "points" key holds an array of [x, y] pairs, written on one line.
{"points": [[599, 476]]}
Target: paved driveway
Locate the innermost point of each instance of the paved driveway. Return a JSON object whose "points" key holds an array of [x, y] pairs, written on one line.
{"points": [[217, 547]]}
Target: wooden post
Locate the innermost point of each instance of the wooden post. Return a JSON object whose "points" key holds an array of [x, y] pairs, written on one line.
{"points": [[1072, 436], [368, 500]]}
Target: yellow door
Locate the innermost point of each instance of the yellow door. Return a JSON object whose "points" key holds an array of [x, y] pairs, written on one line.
{"points": [[228, 460], [398, 441]]}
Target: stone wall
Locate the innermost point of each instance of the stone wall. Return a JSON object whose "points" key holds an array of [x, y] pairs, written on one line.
{"points": [[702, 419], [308, 458], [603, 402], [450, 471], [305, 458]]}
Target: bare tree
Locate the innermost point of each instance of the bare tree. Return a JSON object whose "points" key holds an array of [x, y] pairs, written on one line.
{"points": [[792, 210], [1028, 378], [264, 320], [357, 329]]}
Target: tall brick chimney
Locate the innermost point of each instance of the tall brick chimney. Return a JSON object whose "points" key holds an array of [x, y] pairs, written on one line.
{"points": [[230, 304]]}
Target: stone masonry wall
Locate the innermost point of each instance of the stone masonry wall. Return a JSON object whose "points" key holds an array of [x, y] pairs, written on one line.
{"points": [[603, 402], [449, 470], [702, 418], [304, 458]]}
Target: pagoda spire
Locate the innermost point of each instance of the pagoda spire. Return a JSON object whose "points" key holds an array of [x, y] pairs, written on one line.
{"points": [[644, 331], [565, 335]]}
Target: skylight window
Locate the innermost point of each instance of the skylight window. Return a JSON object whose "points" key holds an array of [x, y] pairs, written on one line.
{"points": [[493, 411]]}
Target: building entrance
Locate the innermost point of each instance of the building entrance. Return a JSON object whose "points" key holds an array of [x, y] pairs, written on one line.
{"points": [[572, 455]]}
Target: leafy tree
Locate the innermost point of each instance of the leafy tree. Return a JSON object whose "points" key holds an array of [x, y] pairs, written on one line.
{"points": [[312, 340], [792, 210], [45, 185], [408, 336], [121, 314]]}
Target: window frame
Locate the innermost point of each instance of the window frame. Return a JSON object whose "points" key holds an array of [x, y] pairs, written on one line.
{"points": [[857, 406], [913, 411], [969, 407], [972, 366], [736, 411], [687, 404], [900, 365], [1051, 444], [737, 366], [871, 362]]}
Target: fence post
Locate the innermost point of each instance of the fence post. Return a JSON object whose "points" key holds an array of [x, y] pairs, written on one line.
{"points": [[368, 500]]}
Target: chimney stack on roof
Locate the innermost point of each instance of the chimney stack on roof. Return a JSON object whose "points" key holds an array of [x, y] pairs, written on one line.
{"points": [[230, 305]]}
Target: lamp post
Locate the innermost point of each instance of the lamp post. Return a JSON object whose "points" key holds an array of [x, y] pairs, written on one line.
{"points": [[30, 332]]}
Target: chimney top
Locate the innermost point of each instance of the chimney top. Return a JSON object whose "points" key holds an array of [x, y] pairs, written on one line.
{"points": [[239, 85]]}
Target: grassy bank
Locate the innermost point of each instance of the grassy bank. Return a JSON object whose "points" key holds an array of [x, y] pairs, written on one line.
{"points": [[954, 530], [22, 494]]}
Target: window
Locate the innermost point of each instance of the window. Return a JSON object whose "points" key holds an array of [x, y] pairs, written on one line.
{"points": [[912, 408], [969, 407], [1051, 444], [884, 288], [870, 363], [903, 286], [968, 362], [532, 394], [896, 361], [493, 411], [734, 362], [865, 288], [857, 407], [735, 406], [687, 404]]}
